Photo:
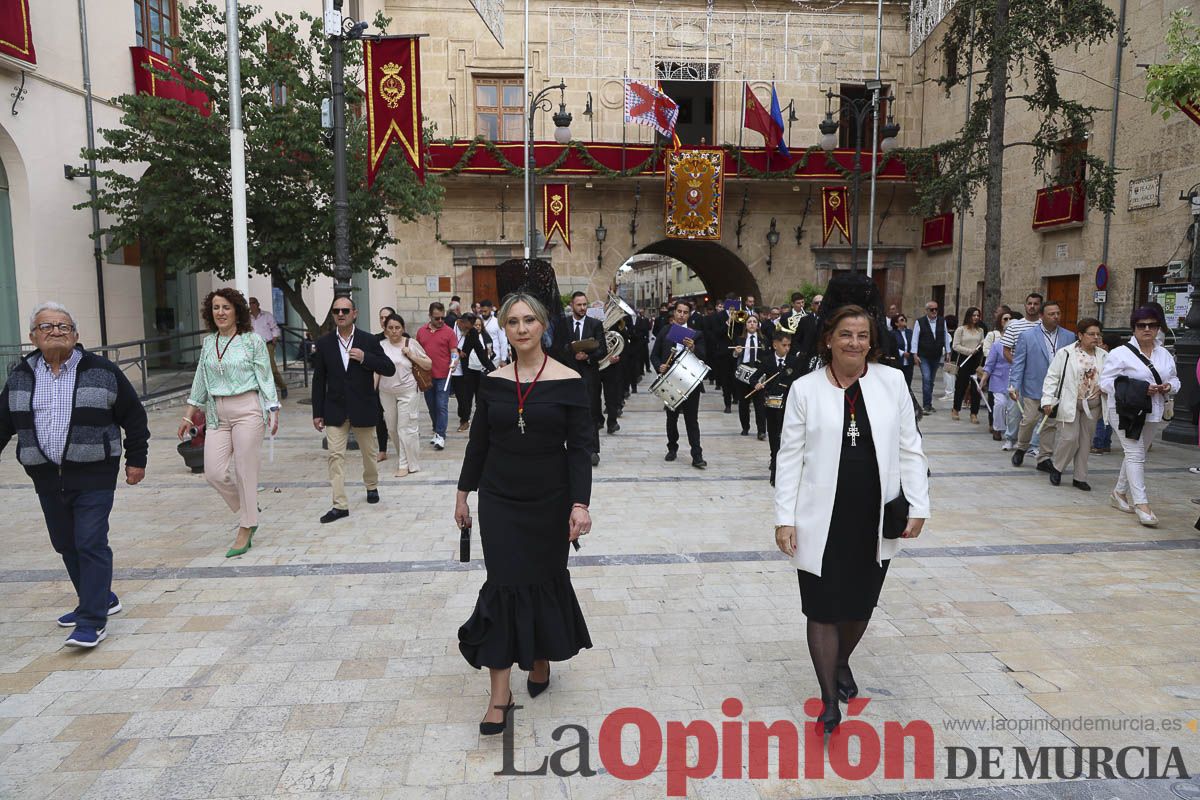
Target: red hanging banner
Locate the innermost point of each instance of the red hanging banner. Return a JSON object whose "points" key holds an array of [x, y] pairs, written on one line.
{"points": [[556, 211], [16, 35], [938, 231], [146, 80], [393, 69], [1192, 109], [835, 212]]}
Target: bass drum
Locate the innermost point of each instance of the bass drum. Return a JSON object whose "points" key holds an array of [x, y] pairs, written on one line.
{"points": [[675, 385]]}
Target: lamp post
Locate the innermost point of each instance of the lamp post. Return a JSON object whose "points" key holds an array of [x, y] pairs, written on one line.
{"points": [[601, 235], [338, 32], [858, 110], [1182, 428], [772, 240], [562, 135]]}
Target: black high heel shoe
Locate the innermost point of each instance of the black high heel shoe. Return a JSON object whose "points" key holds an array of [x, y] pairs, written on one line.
{"points": [[847, 690], [493, 728], [830, 718], [537, 688]]}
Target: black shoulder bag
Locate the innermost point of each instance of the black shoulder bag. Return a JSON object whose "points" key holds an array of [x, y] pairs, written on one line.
{"points": [[1168, 401]]}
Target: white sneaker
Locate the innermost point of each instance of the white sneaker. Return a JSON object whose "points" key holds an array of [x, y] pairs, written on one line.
{"points": [[1007, 445], [1033, 451], [439, 443]]}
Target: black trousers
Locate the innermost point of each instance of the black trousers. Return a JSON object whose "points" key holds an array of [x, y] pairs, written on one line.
{"points": [[591, 382], [724, 364], [613, 381], [743, 389], [774, 433], [963, 382], [690, 409], [381, 431], [464, 393]]}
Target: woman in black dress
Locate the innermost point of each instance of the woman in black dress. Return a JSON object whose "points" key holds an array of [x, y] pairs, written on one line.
{"points": [[529, 456], [849, 442]]}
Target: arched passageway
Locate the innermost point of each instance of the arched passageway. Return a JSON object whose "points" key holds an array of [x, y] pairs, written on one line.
{"points": [[721, 271]]}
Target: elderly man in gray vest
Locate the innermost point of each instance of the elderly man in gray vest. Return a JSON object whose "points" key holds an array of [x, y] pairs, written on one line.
{"points": [[67, 408]]}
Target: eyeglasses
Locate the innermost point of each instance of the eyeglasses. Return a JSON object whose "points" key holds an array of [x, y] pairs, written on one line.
{"points": [[64, 327], [437, 319], [1147, 326], [341, 311], [931, 308]]}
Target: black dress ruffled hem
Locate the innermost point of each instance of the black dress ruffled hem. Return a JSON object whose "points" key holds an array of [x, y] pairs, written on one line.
{"points": [[524, 623]]}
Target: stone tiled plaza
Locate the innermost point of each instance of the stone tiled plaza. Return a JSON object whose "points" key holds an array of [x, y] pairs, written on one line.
{"points": [[324, 662]]}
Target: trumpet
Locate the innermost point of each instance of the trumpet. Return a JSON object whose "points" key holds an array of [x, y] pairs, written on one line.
{"points": [[736, 319]]}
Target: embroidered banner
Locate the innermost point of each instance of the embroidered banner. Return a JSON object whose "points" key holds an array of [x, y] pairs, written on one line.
{"points": [[1192, 109], [695, 192], [1056, 206], [938, 231], [835, 212], [148, 78], [556, 211], [16, 36], [393, 69]]}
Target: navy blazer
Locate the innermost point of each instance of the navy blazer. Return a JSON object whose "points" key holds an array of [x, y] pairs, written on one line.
{"points": [[348, 393]]}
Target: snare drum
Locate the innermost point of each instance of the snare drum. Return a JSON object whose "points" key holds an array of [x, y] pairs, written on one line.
{"points": [[773, 402], [675, 385], [744, 372]]}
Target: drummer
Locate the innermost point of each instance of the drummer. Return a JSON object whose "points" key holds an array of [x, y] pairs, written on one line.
{"points": [[777, 369], [661, 359], [747, 355]]}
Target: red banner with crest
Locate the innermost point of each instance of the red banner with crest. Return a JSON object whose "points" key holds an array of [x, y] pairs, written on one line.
{"points": [[16, 34], [556, 211], [835, 212], [393, 70]]}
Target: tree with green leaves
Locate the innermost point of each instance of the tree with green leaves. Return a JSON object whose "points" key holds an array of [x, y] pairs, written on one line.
{"points": [[1177, 82], [1009, 47], [164, 175]]}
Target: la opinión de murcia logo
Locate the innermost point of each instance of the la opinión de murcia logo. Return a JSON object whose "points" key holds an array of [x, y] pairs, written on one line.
{"points": [[737, 749]]}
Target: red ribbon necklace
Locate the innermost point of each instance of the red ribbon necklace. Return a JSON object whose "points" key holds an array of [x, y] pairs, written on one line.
{"points": [[852, 432], [522, 397], [221, 353]]}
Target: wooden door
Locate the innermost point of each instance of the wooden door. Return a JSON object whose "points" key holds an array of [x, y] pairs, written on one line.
{"points": [[1065, 289], [880, 278], [483, 280]]}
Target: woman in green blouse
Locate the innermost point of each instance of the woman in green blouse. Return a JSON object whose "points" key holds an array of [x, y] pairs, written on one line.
{"points": [[236, 390]]}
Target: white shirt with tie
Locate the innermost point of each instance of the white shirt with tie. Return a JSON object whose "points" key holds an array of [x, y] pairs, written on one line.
{"points": [[750, 352]]}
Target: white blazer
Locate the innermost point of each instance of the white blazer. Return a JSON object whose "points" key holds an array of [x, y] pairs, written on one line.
{"points": [[810, 453], [1066, 392]]}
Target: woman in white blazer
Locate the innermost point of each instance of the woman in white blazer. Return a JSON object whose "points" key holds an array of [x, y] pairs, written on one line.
{"points": [[1073, 384], [849, 443]]}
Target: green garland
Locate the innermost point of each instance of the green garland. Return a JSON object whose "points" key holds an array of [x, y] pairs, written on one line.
{"points": [[744, 169]]}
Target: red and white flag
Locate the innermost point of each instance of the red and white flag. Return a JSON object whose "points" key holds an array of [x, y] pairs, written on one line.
{"points": [[647, 106]]}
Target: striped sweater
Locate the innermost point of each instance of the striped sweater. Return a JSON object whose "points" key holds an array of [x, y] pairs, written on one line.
{"points": [[104, 403]]}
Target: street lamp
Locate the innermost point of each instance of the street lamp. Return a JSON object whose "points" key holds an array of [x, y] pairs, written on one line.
{"points": [[858, 110], [339, 29], [601, 235], [562, 135], [772, 240]]}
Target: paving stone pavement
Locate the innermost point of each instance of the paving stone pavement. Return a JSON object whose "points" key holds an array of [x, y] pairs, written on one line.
{"points": [[323, 663]]}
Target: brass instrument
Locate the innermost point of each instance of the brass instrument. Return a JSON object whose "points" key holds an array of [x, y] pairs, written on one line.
{"points": [[615, 311], [737, 319]]}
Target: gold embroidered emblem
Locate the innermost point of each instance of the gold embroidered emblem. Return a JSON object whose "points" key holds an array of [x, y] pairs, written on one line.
{"points": [[835, 200], [391, 85], [556, 204]]}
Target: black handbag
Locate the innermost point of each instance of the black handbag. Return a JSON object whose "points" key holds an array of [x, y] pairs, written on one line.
{"points": [[464, 544], [895, 516], [1054, 411]]}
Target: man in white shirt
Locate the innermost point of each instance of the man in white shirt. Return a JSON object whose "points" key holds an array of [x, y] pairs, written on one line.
{"points": [[265, 326], [492, 326]]}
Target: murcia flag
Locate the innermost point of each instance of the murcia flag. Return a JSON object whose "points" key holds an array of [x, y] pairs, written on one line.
{"points": [[835, 212], [393, 69], [647, 106], [556, 211]]}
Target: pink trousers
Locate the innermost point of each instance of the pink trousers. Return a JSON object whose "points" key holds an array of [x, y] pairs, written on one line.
{"points": [[236, 443]]}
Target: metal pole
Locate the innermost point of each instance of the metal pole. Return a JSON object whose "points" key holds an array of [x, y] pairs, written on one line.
{"points": [[875, 136], [93, 188], [962, 218], [1112, 139], [237, 152], [528, 148], [530, 188], [341, 207], [859, 118]]}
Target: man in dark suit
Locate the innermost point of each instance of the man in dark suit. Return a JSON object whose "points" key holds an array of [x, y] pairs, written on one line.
{"points": [[690, 408], [746, 355], [797, 307], [773, 386], [344, 399], [719, 354], [577, 327]]}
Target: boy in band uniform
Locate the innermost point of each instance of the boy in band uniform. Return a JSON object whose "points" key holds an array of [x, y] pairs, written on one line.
{"points": [[777, 368]]}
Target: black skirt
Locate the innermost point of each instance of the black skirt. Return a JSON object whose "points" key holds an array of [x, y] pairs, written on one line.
{"points": [[851, 580]]}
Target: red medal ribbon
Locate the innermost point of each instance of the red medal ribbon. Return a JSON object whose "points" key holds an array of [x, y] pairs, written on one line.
{"points": [[521, 398]]}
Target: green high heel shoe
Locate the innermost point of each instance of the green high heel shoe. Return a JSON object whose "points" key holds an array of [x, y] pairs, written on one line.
{"points": [[239, 551]]}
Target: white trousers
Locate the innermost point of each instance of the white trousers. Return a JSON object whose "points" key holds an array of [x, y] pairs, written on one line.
{"points": [[1132, 480], [402, 413]]}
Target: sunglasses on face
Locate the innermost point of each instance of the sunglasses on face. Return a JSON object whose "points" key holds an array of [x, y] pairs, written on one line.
{"points": [[1147, 326], [340, 311], [437, 319]]}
